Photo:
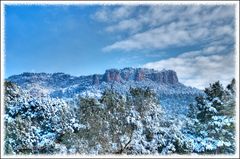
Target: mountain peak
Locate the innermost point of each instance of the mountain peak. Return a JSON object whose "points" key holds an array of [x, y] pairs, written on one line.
{"points": [[61, 84], [140, 74]]}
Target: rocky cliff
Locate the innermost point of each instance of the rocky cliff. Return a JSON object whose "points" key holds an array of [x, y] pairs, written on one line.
{"points": [[139, 74], [64, 85]]}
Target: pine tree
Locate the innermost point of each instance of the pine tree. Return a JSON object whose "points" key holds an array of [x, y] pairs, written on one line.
{"points": [[107, 129], [33, 125], [214, 123]]}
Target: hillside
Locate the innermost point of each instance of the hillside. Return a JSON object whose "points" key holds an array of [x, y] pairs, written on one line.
{"points": [[59, 85]]}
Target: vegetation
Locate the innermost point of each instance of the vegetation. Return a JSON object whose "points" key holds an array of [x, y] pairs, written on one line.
{"points": [[131, 123]]}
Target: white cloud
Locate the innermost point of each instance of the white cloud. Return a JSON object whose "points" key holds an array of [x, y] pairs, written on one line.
{"points": [[128, 24], [162, 26], [174, 34], [111, 14], [122, 12], [101, 15], [198, 70]]}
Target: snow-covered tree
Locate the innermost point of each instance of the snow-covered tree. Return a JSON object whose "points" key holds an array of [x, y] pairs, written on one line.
{"points": [[106, 120], [213, 122], [155, 132], [33, 125], [133, 123]]}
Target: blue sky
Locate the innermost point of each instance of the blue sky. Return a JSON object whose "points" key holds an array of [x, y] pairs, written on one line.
{"points": [[195, 41]]}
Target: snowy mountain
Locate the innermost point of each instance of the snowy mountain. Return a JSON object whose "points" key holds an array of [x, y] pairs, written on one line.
{"points": [[60, 85], [64, 85], [120, 120]]}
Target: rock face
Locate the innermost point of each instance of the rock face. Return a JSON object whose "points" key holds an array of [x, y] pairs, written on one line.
{"points": [[164, 77], [45, 83], [112, 75], [139, 74], [172, 77], [127, 74], [59, 85], [95, 79]]}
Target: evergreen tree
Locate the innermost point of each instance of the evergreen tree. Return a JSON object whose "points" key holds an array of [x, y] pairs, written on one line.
{"points": [[33, 125], [214, 120], [106, 120]]}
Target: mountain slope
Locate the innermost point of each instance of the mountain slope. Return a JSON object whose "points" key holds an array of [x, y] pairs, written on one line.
{"points": [[64, 85], [59, 85]]}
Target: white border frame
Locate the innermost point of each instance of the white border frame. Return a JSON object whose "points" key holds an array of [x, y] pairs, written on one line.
{"points": [[3, 3]]}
